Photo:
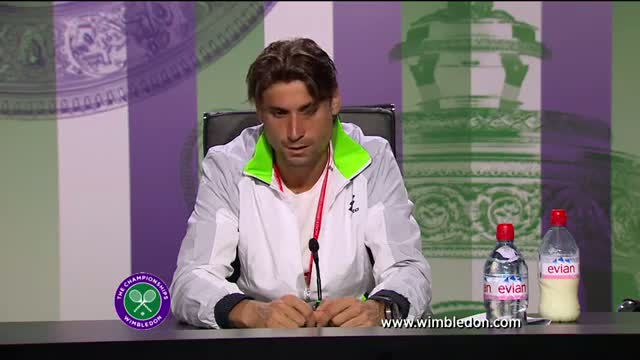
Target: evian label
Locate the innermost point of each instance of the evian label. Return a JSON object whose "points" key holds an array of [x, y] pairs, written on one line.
{"points": [[505, 287], [560, 267]]}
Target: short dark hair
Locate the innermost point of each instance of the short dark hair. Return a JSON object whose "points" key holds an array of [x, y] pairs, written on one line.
{"points": [[289, 60]]}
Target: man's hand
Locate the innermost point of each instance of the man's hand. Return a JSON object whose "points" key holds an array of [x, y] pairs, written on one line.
{"points": [[349, 312], [285, 312]]}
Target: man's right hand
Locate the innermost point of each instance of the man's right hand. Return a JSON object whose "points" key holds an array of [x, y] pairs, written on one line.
{"points": [[285, 312]]}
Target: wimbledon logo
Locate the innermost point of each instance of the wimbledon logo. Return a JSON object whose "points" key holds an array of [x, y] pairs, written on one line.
{"points": [[142, 301]]}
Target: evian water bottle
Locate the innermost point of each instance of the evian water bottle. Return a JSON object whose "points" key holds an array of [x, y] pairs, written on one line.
{"points": [[506, 284], [559, 271]]}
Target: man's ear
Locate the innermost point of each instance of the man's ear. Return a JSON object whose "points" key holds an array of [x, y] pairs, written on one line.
{"points": [[259, 114], [336, 103]]}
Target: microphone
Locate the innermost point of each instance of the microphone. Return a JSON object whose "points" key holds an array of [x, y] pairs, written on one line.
{"points": [[629, 305], [314, 246]]}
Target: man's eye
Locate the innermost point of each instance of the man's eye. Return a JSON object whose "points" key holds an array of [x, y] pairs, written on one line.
{"points": [[310, 111], [278, 113]]}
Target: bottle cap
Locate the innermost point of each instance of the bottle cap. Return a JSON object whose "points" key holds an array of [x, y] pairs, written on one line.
{"points": [[505, 232], [558, 217]]}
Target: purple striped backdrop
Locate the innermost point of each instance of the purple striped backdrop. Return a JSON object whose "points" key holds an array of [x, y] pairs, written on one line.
{"points": [[158, 127], [363, 38], [575, 137]]}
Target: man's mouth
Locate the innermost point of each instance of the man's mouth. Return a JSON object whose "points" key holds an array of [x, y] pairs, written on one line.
{"points": [[299, 147]]}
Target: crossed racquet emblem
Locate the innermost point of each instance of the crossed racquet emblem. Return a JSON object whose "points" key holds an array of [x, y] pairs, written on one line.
{"points": [[142, 300]]}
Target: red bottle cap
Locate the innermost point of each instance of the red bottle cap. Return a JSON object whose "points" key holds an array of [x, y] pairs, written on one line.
{"points": [[505, 232], [558, 217]]}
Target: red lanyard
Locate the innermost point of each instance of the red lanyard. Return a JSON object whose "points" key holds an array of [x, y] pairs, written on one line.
{"points": [[318, 223]]}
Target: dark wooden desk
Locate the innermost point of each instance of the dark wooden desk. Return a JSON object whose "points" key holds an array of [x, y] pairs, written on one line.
{"points": [[605, 333]]}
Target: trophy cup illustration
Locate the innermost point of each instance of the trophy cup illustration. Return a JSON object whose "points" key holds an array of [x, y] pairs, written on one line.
{"points": [[472, 152]]}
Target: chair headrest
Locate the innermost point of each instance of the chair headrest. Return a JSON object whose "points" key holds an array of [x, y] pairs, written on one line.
{"points": [[374, 120]]}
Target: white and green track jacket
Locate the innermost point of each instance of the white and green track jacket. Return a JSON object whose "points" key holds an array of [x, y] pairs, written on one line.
{"points": [[240, 212]]}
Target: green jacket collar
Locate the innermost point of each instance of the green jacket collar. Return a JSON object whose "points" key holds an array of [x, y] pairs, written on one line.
{"points": [[349, 157]]}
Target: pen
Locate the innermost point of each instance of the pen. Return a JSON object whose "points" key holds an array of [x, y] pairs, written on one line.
{"points": [[317, 303]]}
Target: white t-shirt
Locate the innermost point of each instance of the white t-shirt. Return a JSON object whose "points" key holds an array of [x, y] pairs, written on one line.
{"points": [[304, 206]]}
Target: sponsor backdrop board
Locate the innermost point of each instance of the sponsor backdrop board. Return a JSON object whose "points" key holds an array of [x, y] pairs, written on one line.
{"points": [[506, 110]]}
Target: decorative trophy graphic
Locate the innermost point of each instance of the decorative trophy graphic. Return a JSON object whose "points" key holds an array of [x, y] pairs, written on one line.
{"points": [[472, 155]]}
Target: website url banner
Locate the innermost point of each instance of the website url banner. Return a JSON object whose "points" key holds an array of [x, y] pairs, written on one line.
{"points": [[453, 323]]}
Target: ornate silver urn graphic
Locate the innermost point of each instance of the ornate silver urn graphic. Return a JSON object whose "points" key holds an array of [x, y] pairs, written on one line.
{"points": [[475, 157], [471, 154]]}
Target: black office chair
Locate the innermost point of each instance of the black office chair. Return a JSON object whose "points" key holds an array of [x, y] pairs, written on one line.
{"points": [[376, 120]]}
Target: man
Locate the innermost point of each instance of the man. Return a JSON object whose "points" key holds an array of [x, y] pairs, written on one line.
{"points": [[301, 174]]}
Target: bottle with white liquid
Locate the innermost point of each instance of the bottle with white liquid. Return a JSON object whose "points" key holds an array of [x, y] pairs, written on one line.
{"points": [[559, 271]]}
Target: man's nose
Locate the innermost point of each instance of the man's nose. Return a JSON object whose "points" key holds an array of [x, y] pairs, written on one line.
{"points": [[295, 128]]}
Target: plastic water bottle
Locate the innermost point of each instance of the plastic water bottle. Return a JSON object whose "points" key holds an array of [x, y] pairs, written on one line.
{"points": [[506, 285], [559, 271]]}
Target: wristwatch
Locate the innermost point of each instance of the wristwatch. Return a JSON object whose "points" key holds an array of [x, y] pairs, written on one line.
{"points": [[391, 308]]}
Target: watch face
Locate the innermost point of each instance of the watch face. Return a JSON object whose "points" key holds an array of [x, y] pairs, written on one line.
{"points": [[391, 309]]}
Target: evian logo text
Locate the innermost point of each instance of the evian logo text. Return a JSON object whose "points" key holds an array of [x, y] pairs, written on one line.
{"points": [[560, 268], [505, 287]]}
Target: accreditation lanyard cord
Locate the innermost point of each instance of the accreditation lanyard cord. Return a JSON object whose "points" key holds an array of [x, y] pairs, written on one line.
{"points": [[318, 222]]}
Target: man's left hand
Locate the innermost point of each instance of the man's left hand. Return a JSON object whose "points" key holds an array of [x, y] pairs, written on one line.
{"points": [[349, 312]]}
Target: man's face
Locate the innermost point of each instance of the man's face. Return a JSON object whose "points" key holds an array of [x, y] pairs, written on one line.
{"points": [[297, 127]]}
